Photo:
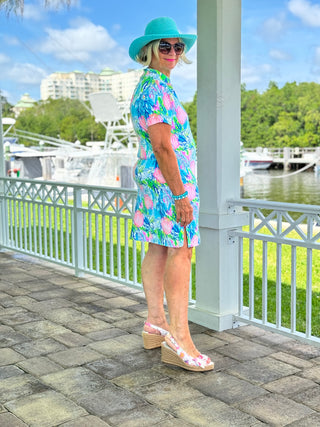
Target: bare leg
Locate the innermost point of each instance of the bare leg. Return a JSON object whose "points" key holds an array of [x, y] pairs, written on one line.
{"points": [[176, 283], [152, 270]]}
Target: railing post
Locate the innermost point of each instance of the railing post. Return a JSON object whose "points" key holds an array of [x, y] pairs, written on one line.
{"points": [[78, 234], [286, 158]]}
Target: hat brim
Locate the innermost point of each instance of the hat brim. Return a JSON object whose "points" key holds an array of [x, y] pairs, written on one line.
{"points": [[140, 42]]}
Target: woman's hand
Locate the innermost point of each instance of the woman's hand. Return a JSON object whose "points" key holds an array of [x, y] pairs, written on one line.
{"points": [[184, 211]]}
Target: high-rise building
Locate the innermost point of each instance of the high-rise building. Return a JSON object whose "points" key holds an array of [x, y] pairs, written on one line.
{"points": [[78, 85]]}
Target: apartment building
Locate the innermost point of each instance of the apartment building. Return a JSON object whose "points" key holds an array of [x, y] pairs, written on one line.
{"points": [[78, 85]]}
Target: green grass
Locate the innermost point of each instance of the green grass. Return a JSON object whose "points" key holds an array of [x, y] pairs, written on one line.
{"points": [[108, 251], [301, 280]]}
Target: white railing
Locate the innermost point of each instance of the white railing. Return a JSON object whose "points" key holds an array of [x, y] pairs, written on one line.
{"points": [[288, 153], [87, 228], [279, 261], [83, 227]]}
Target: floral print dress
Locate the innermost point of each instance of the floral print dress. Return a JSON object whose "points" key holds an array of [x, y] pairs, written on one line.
{"points": [[155, 101]]}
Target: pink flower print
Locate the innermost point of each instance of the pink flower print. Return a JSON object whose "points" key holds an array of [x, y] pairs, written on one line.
{"points": [[142, 123], [166, 225], [154, 119], [191, 189], [143, 154], [158, 176], [194, 241], [174, 141], [193, 167], [166, 101], [148, 202], [181, 115], [138, 219]]}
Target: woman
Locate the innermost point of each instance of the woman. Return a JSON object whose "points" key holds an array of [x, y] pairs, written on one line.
{"points": [[167, 206]]}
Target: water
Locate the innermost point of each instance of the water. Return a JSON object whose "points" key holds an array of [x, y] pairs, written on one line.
{"points": [[302, 187]]}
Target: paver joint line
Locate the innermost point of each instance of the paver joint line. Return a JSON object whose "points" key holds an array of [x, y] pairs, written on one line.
{"points": [[71, 354]]}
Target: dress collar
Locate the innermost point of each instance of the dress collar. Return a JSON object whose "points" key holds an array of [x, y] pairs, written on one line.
{"points": [[157, 74]]}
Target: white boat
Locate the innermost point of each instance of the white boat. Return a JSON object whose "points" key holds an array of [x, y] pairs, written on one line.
{"points": [[256, 160]]}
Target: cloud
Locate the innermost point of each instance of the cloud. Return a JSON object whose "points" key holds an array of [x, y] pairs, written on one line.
{"points": [[304, 9], [315, 68], [26, 74], [10, 40], [79, 42], [317, 56], [4, 59], [255, 74], [116, 28], [273, 28], [32, 12], [280, 55]]}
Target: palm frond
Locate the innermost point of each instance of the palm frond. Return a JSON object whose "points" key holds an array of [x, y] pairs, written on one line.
{"points": [[17, 6]]}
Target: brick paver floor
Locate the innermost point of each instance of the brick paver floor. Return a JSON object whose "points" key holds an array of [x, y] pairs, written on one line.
{"points": [[71, 355]]}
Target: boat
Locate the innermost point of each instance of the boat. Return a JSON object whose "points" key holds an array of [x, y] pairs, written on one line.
{"points": [[256, 160], [108, 163]]}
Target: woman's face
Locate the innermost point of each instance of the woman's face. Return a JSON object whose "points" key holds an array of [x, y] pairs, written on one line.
{"points": [[166, 62]]}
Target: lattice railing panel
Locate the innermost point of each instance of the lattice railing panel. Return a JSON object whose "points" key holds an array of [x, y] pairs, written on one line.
{"points": [[279, 258]]}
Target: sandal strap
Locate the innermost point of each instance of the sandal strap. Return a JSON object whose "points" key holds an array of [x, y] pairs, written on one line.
{"points": [[201, 361], [163, 332]]}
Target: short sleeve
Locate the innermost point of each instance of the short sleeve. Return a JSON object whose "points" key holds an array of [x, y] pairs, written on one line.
{"points": [[157, 105]]}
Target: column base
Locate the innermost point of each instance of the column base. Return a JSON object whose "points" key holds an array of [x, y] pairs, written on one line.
{"points": [[211, 320]]}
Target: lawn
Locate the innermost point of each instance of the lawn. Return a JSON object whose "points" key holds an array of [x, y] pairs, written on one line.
{"points": [[107, 246]]}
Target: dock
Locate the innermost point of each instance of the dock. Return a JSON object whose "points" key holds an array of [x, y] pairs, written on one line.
{"points": [[290, 157]]}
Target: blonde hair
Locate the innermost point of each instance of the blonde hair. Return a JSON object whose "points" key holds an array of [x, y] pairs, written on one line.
{"points": [[144, 57]]}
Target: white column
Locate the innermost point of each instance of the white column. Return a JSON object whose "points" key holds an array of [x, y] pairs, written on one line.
{"points": [[219, 57]]}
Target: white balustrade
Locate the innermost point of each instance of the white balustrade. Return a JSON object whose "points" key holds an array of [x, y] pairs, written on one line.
{"points": [[281, 250]]}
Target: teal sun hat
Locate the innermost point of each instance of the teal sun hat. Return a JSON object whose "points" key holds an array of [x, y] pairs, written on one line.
{"points": [[160, 28]]}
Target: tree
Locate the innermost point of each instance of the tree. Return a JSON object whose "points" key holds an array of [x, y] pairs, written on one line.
{"points": [[191, 109], [17, 6], [279, 117], [64, 118], [6, 107]]}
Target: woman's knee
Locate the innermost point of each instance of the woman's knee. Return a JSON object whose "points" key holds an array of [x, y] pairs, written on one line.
{"points": [[182, 253], [158, 251]]}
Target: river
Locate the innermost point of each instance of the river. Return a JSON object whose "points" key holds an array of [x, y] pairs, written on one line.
{"points": [[303, 187]]}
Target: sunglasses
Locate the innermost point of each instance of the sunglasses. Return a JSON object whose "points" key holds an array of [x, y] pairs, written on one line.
{"points": [[165, 47]]}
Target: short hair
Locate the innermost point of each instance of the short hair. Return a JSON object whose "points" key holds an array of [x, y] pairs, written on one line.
{"points": [[144, 57]]}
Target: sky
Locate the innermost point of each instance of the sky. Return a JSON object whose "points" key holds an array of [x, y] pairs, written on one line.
{"points": [[280, 41]]}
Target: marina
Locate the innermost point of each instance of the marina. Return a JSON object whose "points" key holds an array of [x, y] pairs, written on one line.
{"points": [[280, 186], [285, 158], [108, 162]]}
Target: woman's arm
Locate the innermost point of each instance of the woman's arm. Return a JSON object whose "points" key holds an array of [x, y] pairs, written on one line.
{"points": [[160, 136]]}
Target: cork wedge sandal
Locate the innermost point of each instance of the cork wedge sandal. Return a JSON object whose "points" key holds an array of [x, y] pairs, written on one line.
{"points": [[150, 340], [179, 357]]}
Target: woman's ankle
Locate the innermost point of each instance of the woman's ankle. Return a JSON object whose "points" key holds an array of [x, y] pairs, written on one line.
{"points": [[150, 322]]}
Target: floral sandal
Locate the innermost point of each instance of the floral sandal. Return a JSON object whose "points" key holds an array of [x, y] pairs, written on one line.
{"points": [[151, 340], [179, 357]]}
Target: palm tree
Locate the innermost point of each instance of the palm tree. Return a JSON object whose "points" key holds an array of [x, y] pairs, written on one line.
{"points": [[16, 6]]}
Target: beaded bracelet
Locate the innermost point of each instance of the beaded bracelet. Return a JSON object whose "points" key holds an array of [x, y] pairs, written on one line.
{"points": [[181, 196]]}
